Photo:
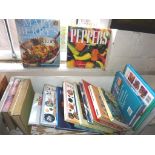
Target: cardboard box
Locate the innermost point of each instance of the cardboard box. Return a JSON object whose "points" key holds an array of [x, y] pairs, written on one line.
{"points": [[21, 106]]}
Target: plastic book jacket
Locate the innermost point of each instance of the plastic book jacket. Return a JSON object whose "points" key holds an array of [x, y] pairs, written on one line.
{"points": [[39, 41], [61, 123], [130, 104], [87, 47]]}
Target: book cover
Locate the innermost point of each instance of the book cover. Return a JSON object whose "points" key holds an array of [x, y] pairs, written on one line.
{"points": [[39, 41], [143, 90], [70, 108], [8, 102], [34, 118], [109, 125], [3, 84], [87, 47], [82, 112], [61, 123], [112, 108], [21, 107], [130, 103], [48, 110]]}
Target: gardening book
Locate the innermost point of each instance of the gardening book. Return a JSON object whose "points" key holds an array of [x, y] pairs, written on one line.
{"points": [[39, 41], [87, 47]]}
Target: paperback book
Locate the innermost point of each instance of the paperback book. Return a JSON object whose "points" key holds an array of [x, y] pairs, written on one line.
{"points": [[39, 41], [87, 47]]}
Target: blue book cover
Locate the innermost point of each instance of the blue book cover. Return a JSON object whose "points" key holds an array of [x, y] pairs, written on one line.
{"points": [[61, 124], [130, 104], [39, 41], [143, 90]]}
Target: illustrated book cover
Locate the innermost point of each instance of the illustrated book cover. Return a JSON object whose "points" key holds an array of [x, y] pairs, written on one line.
{"points": [[87, 47], [129, 102], [48, 109], [39, 41]]}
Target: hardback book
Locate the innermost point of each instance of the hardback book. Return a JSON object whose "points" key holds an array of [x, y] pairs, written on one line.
{"points": [[107, 124], [3, 84], [61, 123], [143, 90], [70, 107], [34, 118], [112, 108], [39, 41], [48, 110], [21, 107], [87, 47], [8, 102], [82, 110], [129, 102]]}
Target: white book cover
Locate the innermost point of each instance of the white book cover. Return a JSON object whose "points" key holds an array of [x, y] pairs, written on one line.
{"points": [[34, 118], [48, 110]]}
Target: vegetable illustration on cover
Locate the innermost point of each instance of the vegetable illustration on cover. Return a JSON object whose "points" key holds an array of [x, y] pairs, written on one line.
{"points": [[39, 41], [87, 47]]}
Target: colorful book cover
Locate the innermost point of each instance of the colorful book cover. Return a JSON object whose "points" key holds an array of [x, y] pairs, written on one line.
{"points": [[48, 110], [39, 41], [112, 108], [61, 123], [82, 110], [34, 118], [130, 104], [143, 90], [70, 108], [87, 47], [108, 125]]}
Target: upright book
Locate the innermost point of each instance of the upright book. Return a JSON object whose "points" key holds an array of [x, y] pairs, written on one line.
{"points": [[130, 103], [61, 123], [143, 90], [48, 110], [39, 42], [87, 47]]}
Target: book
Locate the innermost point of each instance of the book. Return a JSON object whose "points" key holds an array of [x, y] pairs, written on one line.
{"points": [[39, 41], [82, 110], [3, 84], [129, 102], [70, 108], [48, 109], [34, 118], [8, 102], [143, 90], [112, 108], [61, 123], [108, 125], [21, 107], [87, 47]]}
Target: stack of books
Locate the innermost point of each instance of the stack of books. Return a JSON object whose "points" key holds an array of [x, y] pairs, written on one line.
{"points": [[80, 107]]}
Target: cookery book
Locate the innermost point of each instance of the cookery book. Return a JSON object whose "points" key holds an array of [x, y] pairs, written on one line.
{"points": [[34, 118], [39, 41], [61, 123], [129, 102], [48, 109], [109, 126], [112, 108], [21, 106], [87, 47], [143, 90]]}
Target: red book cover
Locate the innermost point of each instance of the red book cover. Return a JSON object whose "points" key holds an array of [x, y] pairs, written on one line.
{"points": [[90, 102]]}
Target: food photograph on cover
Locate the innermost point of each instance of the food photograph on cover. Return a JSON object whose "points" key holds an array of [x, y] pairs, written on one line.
{"points": [[77, 77]]}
